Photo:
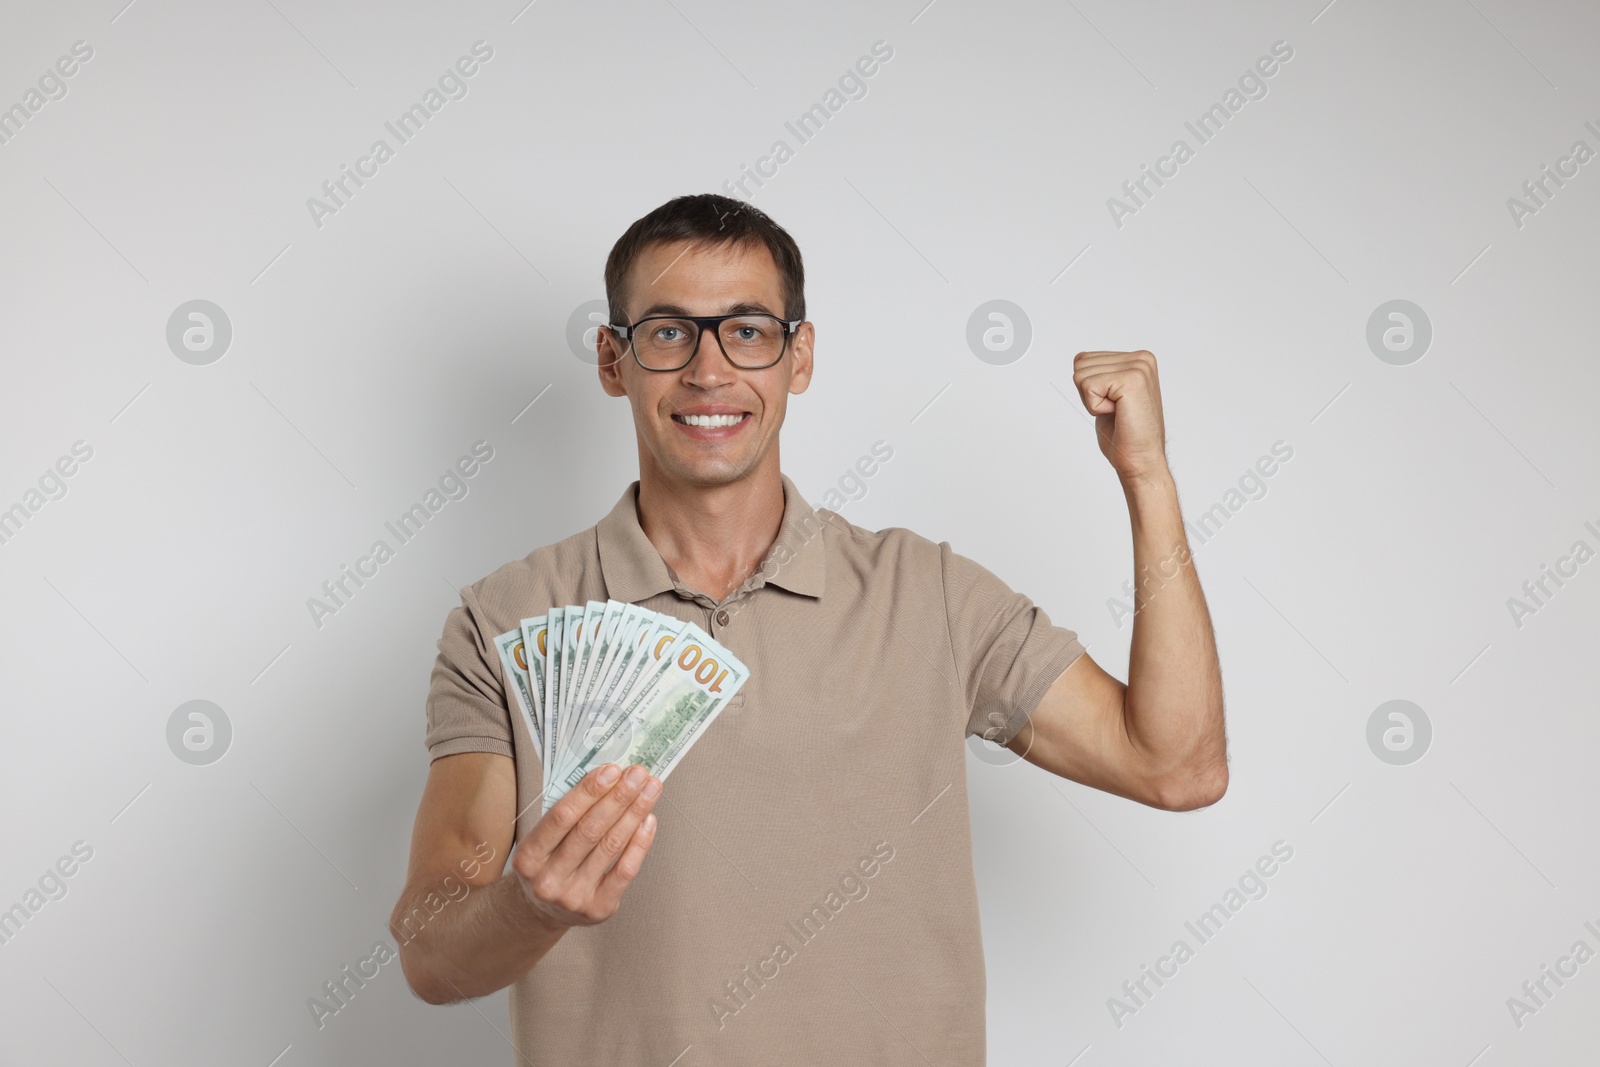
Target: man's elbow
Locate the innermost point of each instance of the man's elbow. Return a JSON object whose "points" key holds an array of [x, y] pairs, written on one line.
{"points": [[425, 985], [435, 996], [1194, 790], [418, 975]]}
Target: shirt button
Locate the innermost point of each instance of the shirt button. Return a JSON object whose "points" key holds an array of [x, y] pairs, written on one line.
{"points": [[722, 618]]}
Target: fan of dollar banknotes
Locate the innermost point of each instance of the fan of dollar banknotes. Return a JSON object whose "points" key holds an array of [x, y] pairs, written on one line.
{"points": [[608, 682]]}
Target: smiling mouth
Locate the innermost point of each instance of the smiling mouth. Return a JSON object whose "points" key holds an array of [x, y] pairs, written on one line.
{"points": [[711, 422]]}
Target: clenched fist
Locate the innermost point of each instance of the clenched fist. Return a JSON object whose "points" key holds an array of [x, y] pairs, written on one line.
{"points": [[1121, 391]]}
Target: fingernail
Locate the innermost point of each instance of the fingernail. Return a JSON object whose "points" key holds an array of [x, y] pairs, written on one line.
{"points": [[650, 823], [610, 773], [653, 789], [634, 776]]}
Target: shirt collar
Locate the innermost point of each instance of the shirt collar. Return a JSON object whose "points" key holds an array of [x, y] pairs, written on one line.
{"points": [[634, 570]]}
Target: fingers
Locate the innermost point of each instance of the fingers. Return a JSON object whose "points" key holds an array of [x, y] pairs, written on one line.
{"points": [[1102, 385], [591, 828], [1114, 365], [605, 824], [1088, 364], [608, 894], [619, 835], [1099, 392], [1100, 359], [565, 813]]}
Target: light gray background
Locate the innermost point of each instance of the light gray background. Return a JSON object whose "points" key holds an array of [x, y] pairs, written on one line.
{"points": [[369, 353]]}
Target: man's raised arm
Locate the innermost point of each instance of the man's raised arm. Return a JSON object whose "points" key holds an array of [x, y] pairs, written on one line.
{"points": [[1159, 739]]}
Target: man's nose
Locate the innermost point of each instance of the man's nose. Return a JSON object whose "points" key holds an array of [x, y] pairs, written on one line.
{"points": [[707, 366]]}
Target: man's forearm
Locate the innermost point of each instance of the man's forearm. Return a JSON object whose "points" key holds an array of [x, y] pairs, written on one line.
{"points": [[1173, 707], [472, 947]]}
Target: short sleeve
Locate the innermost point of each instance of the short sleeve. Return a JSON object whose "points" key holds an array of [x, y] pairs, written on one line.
{"points": [[1007, 651], [467, 707]]}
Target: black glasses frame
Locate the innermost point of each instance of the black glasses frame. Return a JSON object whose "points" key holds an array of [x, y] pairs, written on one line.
{"points": [[700, 324]]}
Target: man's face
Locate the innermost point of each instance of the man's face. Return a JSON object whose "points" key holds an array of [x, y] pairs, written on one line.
{"points": [[686, 279]]}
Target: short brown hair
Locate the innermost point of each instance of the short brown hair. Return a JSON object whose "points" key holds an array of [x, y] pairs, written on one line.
{"points": [[707, 219]]}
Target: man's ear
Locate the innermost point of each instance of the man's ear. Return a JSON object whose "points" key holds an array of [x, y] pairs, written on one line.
{"points": [[611, 356], [800, 377]]}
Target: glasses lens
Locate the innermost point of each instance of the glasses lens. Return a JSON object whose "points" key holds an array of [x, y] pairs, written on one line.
{"points": [[664, 344], [753, 341]]}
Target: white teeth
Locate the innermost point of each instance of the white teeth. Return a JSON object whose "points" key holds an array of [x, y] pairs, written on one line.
{"points": [[711, 421]]}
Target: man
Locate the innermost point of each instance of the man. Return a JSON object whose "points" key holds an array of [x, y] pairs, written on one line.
{"points": [[803, 893]]}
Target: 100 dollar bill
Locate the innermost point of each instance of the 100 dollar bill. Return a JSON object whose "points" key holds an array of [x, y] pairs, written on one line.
{"points": [[642, 652], [615, 631], [666, 711], [514, 658]]}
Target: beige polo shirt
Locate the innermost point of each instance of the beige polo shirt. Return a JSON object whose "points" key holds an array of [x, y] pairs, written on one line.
{"points": [[810, 896]]}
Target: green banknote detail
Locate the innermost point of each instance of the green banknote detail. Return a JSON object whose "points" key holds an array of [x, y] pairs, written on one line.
{"points": [[668, 710]]}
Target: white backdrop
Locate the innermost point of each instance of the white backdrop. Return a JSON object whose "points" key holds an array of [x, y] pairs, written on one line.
{"points": [[350, 353]]}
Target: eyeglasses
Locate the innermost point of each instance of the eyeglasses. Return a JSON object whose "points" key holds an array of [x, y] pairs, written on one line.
{"points": [[750, 342]]}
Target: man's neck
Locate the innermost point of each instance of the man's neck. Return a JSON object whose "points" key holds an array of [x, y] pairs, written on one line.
{"points": [[713, 537]]}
